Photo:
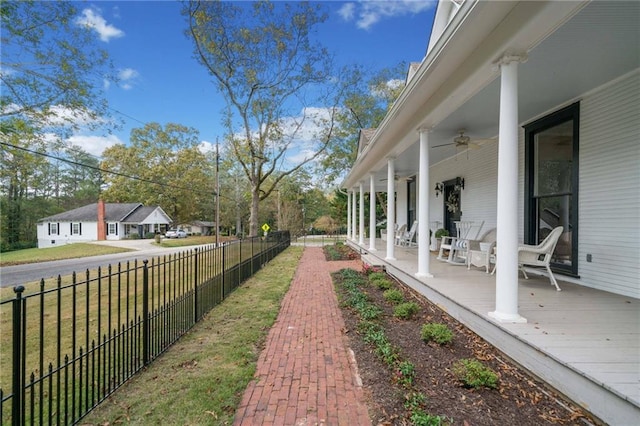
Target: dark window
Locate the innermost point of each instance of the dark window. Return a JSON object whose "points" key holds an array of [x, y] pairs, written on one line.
{"points": [[551, 183]]}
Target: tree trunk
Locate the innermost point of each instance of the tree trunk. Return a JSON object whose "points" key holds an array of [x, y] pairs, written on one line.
{"points": [[253, 219]]}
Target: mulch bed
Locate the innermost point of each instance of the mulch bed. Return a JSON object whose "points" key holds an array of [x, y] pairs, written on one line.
{"points": [[519, 399]]}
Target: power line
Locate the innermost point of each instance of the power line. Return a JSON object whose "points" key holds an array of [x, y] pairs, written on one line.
{"points": [[76, 163]]}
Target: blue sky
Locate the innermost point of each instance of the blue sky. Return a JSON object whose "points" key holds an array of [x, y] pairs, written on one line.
{"points": [[161, 82]]}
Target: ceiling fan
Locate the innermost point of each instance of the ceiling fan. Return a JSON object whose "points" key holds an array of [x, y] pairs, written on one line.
{"points": [[462, 141]]}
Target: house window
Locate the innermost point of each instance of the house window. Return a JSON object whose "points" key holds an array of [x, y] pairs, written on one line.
{"points": [[75, 229], [53, 229], [113, 229], [551, 184]]}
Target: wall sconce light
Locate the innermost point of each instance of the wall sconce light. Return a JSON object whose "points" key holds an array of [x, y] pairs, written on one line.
{"points": [[439, 188], [459, 183]]}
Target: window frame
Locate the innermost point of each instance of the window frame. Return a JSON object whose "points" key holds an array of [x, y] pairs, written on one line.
{"points": [[569, 113]]}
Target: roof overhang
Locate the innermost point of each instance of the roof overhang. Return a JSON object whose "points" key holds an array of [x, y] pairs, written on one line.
{"points": [[460, 64]]}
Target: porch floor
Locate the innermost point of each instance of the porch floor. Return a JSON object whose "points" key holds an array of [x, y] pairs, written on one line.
{"points": [[584, 342]]}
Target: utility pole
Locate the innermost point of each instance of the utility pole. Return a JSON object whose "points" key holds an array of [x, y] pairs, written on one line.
{"points": [[217, 194]]}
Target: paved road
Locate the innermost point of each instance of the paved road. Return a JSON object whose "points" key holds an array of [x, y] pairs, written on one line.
{"points": [[21, 274]]}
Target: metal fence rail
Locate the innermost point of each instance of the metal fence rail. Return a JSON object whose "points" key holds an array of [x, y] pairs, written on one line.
{"points": [[70, 343]]}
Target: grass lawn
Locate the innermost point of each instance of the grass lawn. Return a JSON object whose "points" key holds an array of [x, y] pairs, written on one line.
{"points": [[201, 379], [193, 240], [68, 251]]}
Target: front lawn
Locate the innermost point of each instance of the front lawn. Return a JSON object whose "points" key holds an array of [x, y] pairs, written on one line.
{"points": [[67, 251]]}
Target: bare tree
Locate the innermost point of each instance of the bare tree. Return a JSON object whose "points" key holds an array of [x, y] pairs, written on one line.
{"points": [[281, 100]]}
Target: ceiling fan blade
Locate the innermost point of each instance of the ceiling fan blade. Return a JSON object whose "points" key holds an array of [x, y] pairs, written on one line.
{"points": [[446, 144], [473, 145]]}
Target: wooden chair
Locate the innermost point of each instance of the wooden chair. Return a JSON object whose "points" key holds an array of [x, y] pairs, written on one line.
{"points": [[457, 245], [480, 252], [540, 255]]}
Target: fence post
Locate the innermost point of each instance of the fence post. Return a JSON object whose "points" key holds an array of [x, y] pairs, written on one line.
{"points": [[195, 287], [223, 271], [145, 312], [18, 380]]}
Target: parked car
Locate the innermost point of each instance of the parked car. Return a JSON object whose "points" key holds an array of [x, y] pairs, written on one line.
{"points": [[175, 233]]}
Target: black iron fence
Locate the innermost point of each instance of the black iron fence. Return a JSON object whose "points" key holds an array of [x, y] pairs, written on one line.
{"points": [[67, 344]]}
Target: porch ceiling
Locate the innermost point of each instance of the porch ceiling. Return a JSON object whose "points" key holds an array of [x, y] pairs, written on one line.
{"points": [[599, 43]]}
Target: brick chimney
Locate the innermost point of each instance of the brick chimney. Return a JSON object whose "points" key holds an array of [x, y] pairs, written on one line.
{"points": [[102, 225]]}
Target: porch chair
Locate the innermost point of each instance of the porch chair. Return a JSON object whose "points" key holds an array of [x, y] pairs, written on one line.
{"points": [[399, 233], [480, 252], [457, 245], [406, 240], [540, 255]]}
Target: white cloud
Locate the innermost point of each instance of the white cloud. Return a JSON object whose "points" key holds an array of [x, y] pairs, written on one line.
{"points": [[61, 115], [205, 147], [94, 145], [346, 11], [369, 12], [92, 19], [127, 77]]}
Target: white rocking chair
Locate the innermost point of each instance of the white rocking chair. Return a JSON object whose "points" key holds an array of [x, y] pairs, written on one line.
{"points": [[406, 240], [540, 255], [399, 234]]}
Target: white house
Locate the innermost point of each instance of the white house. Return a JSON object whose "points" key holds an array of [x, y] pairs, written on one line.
{"points": [[101, 221], [548, 92]]}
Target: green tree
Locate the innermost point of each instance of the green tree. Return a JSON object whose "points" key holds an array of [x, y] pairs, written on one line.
{"points": [[52, 72], [367, 102], [161, 166], [274, 81], [51, 79], [23, 168]]}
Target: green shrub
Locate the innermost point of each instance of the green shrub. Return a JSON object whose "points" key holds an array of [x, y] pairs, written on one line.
{"points": [[393, 295], [435, 332], [406, 310], [383, 284], [474, 374], [377, 276]]}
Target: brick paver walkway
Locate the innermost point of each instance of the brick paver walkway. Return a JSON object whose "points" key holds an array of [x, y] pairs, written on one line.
{"points": [[306, 375]]}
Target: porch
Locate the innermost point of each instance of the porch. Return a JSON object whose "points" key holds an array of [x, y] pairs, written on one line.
{"points": [[582, 341]]}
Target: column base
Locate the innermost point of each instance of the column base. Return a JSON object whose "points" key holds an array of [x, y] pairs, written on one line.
{"points": [[423, 275], [511, 318], [390, 258]]}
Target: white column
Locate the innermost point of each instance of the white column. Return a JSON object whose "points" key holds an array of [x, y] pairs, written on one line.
{"points": [[372, 212], [423, 207], [354, 221], [507, 217], [391, 209], [361, 219], [348, 214]]}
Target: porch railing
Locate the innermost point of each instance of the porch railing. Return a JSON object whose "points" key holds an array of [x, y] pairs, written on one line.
{"points": [[69, 343]]}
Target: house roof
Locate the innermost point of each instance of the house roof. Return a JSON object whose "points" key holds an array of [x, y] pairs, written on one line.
{"points": [[114, 212]]}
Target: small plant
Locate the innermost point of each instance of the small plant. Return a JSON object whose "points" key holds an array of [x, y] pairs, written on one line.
{"points": [[406, 373], [435, 332], [383, 284], [475, 374], [420, 418], [369, 269], [406, 310], [393, 295], [442, 233], [369, 312], [377, 275], [387, 353], [415, 401]]}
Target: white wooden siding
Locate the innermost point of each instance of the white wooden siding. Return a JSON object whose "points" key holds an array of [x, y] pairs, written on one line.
{"points": [[609, 182], [609, 226]]}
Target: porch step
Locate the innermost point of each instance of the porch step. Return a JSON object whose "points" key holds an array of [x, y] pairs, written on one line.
{"points": [[373, 261]]}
